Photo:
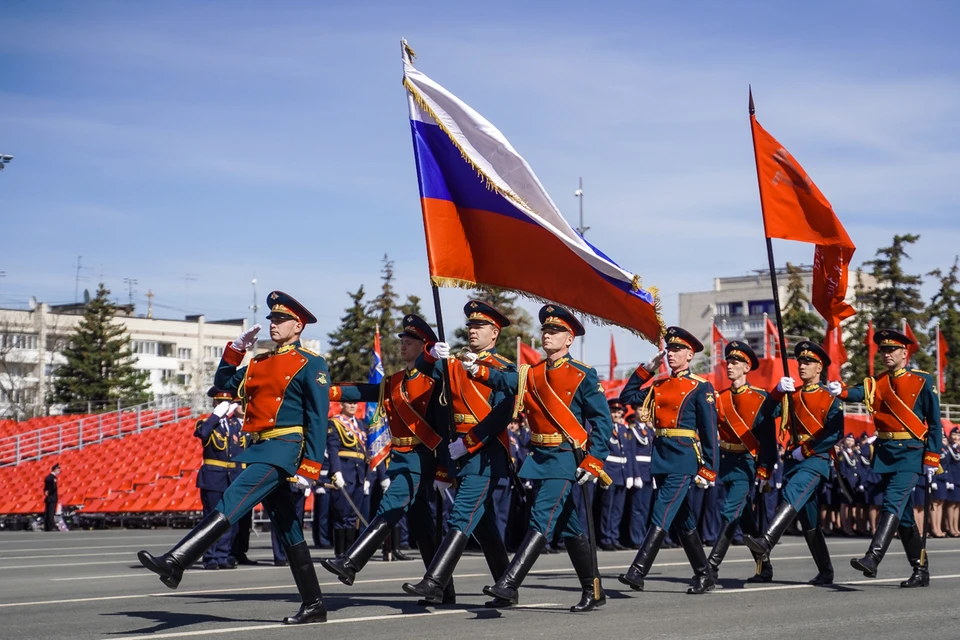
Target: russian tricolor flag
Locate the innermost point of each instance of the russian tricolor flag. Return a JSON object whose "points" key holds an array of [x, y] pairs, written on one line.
{"points": [[489, 222]]}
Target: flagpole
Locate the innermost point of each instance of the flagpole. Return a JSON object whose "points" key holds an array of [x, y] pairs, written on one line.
{"points": [[773, 274]]}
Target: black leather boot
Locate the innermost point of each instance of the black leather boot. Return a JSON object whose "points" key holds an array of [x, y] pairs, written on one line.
{"points": [[762, 545], [591, 592], [339, 546], [817, 544], [721, 547], [644, 559], [305, 575], [346, 566], [703, 579], [431, 588], [764, 571], [504, 592], [886, 528], [913, 545], [171, 565]]}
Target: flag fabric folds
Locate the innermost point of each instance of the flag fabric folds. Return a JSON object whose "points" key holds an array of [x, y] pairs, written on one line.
{"points": [[379, 440], [911, 348], [942, 351], [871, 348], [613, 359], [771, 340], [833, 345], [527, 354], [795, 209], [483, 207]]}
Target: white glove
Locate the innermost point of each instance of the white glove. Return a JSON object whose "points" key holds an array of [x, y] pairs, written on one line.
{"points": [[638, 482], [702, 482], [457, 449], [583, 476], [321, 490], [366, 487], [385, 484], [950, 486], [221, 409], [629, 483], [247, 339], [469, 361], [441, 486], [338, 480], [233, 407], [654, 362], [797, 454], [930, 472], [528, 485], [763, 485], [861, 488], [300, 483], [440, 351], [835, 388], [786, 385], [654, 483]]}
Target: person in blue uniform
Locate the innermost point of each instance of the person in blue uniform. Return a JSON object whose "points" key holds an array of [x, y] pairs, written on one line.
{"points": [[482, 455], [848, 470], [559, 396], [222, 440], [682, 409], [952, 515], [870, 481], [347, 448], [503, 504], [642, 493], [418, 463], [747, 452], [818, 418], [619, 465], [285, 398], [905, 404]]}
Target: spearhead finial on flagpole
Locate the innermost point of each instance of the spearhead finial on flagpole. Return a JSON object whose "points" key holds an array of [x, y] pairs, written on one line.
{"points": [[750, 90]]}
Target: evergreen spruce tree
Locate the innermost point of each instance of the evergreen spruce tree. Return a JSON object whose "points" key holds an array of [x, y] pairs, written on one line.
{"points": [[521, 324], [798, 320], [412, 305], [897, 295], [945, 309], [99, 370], [351, 344], [856, 330], [382, 310]]}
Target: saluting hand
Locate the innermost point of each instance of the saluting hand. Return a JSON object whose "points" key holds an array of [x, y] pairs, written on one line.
{"points": [[655, 361], [221, 409], [247, 339]]}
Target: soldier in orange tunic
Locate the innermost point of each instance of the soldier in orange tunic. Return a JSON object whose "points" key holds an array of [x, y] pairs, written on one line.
{"points": [[285, 396], [417, 457]]}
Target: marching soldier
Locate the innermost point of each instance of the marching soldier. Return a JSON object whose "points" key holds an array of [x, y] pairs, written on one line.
{"points": [[818, 417], [619, 465], [559, 395], [482, 455], [642, 493], [222, 440], [346, 446], [684, 453], [285, 395], [906, 410], [747, 450], [413, 412]]}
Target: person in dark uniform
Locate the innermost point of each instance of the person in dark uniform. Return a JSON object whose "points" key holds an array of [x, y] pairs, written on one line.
{"points": [[243, 526], [952, 516], [870, 481], [684, 454], [285, 394], [276, 534], [222, 440], [847, 465], [619, 465], [418, 455], [321, 509], [642, 494], [482, 455], [747, 453], [560, 397], [819, 422], [906, 411], [51, 498], [347, 448]]}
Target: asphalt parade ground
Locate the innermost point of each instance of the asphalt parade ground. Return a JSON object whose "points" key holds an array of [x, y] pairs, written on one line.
{"points": [[90, 585]]}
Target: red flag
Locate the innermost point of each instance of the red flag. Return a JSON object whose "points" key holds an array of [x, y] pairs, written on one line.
{"points": [[833, 345], [794, 209], [527, 354], [942, 351], [613, 358], [771, 341], [911, 348], [871, 348], [719, 342]]}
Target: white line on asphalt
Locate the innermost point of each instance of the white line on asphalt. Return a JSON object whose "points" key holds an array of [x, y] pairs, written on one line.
{"points": [[108, 546], [785, 587], [69, 555], [149, 574], [388, 616], [131, 561]]}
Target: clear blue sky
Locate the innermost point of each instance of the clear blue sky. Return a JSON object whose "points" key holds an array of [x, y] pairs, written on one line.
{"points": [[227, 139]]}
